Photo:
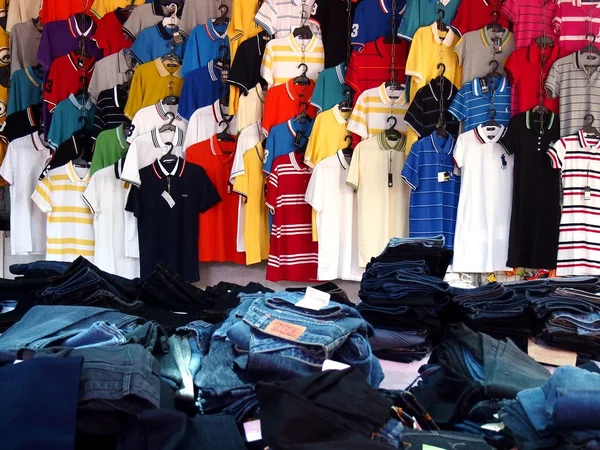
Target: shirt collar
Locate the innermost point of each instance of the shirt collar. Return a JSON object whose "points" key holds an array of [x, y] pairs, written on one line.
{"points": [[486, 38], [385, 98], [119, 168], [312, 43], [342, 159], [162, 70], [501, 85], [442, 145], [164, 32], [160, 169], [483, 137], [163, 113], [86, 105], [294, 90], [164, 171], [587, 142], [528, 120], [71, 170], [298, 162], [212, 32], [158, 141], [337, 114], [76, 30], [448, 40], [35, 80], [88, 62], [340, 71], [37, 142], [384, 144]]}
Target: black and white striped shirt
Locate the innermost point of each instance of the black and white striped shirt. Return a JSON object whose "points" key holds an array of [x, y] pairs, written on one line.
{"points": [[109, 110]]}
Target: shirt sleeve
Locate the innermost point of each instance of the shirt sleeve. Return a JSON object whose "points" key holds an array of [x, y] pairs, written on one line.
{"points": [[358, 119], [208, 192], [461, 20], [557, 152], [557, 20], [353, 72], [314, 191], [134, 100], [13, 98], [191, 58], [239, 73], [358, 36], [408, 24], [55, 135], [410, 172], [353, 179], [99, 8], [44, 54], [413, 63], [266, 17], [270, 153], [266, 68], [414, 116], [132, 25], [270, 112], [141, 49], [512, 69], [51, 90], [458, 107], [461, 50], [510, 8], [272, 188], [91, 194], [311, 155], [459, 152], [187, 98], [7, 169], [318, 95], [135, 128], [131, 168], [134, 202], [510, 138], [98, 155], [240, 185], [42, 196], [552, 84]]}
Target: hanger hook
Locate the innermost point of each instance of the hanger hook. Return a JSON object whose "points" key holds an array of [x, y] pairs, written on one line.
{"points": [[304, 68], [394, 120], [443, 67]]}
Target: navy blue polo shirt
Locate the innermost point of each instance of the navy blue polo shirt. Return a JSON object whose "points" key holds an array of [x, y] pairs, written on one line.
{"points": [[168, 227], [153, 43], [201, 87]]}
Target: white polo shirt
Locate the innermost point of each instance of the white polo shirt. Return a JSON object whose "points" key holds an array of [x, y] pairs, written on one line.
{"points": [[337, 219], [25, 160], [154, 116], [204, 123]]}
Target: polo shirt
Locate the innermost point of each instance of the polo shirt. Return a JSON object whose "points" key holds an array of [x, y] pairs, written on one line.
{"points": [[524, 69], [475, 14], [372, 65], [433, 204], [472, 106], [106, 196], [201, 87], [283, 102], [79, 144], [65, 120], [331, 16], [21, 11], [198, 12], [101, 8], [109, 110], [24, 43], [368, 176], [281, 140], [372, 20], [476, 49], [330, 87], [536, 198], [293, 256], [56, 10], [424, 111], [70, 222], [241, 24], [253, 231], [109, 36], [25, 159], [146, 149], [154, 116], [280, 17], [154, 43], [421, 13], [578, 93], [152, 82], [145, 16], [64, 78], [218, 226], [110, 147], [21, 123], [169, 234], [327, 135], [247, 139], [573, 19], [110, 72], [485, 203], [282, 57], [337, 219], [245, 68], [62, 37], [203, 46], [527, 16], [372, 110], [579, 240], [25, 89], [205, 122], [424, 56], [251, 107]]}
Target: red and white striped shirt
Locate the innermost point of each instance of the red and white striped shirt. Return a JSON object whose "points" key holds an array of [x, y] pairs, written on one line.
{"points": [[573, 20]]}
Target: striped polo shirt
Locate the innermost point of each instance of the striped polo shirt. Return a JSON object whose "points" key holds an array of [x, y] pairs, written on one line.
{"points": [[573, 20], [280, 17], [109, 110], [530, 18], [568, 80], [70, 223], [372, 110], [472, 105], [579, 238], [282, 57]]}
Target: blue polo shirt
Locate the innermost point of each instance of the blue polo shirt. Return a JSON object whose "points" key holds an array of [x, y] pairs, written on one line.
{"points": [[202, 87], [203, 46], [372, 21], [25, 90], [153, 43], [472, 105], [281, 140], [433, 204], [330, 87]]}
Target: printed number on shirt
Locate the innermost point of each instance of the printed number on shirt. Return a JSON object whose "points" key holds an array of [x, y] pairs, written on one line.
{"points": [[355, 28]]}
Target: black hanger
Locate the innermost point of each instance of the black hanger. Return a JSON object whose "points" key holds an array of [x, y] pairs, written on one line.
{"points": [[222, 19], [440, 127], [441, 26], [590, 48], [303, 116], [346, 104], [391, 133], [300, 142], [83, 135], [348, 150], [489, 77], [169, 157], [495, 26], [302, 79], [169, 125], [443, 67], [225, 135], [544, 41], [588, 127], [83, 19], [129, 7], [303, 31], [491, 122], [171, 56]]}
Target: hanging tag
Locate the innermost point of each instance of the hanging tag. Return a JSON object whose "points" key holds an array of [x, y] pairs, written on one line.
{"points": [[390, 180], [177, 38], [588, 193], [314, 299], [252, 430], [483, 84], [168, 199], [443, 177], [497, 41]]}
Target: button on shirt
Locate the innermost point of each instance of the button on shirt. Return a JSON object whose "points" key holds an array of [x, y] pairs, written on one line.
{"points": [[154, 43], [472, 104], [421, 13], [203, 46], [201, 87], [372, 20]]}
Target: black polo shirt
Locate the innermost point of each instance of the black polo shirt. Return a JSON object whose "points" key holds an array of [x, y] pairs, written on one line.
{"points": [[21, 123], [109, 110], [245, 68], [80, 143], [424, 111], [332, 17], [168, 233]]}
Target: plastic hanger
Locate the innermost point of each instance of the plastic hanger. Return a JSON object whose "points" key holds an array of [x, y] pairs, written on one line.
{"points": [[303, 116], [491, 122], [169, 125], [391, 133], [302, 79], [441, 26], [225, 135], [303, 31], [348, 151], [588, 127], [346, 104], [169, 157], [222, 19], [495, 26]]}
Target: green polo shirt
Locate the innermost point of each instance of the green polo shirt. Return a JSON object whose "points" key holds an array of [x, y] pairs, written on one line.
{"points": [[330, 87], [111, 146]]}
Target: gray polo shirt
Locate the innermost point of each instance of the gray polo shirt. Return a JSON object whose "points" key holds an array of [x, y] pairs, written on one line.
{"points": [[145, 16], [476, 49], [198, 12], [24, 42], [111, 71], [578, 89]]}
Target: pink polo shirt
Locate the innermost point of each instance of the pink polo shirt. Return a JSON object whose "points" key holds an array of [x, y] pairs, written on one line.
{"points": [[530, 18], [573, 19]]}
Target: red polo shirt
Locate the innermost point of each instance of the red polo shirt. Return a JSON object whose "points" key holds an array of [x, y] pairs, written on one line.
{"points": [[63, 77], [109, 36], [475, 14], [282, 102]]}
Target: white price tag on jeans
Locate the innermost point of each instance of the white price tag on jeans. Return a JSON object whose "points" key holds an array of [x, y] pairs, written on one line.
{"points": [[314, 299], [253, 430], [328, 364]]}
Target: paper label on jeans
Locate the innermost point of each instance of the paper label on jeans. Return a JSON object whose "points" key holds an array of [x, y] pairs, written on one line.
{"points": [[314, 299], [498, 426], [253, 431], [551, 356], [431, 447], [328, 364], [168, 199], [285, 330]]}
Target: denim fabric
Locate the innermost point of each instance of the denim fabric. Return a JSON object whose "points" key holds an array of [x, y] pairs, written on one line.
{"points": [[581, 324], [524, 433], [437, 241], [419, 440], [199, 333], [386, 339], [39, 268]]}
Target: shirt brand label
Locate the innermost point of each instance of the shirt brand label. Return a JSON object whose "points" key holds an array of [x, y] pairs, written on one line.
{"points": [[285, 330]]}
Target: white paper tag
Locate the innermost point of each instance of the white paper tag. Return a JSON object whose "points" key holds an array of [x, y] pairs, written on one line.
{"points": [[168, 199], [443, 177], [493, 426], [328, 364], [431, 447], [314, 299], [253, 430]]}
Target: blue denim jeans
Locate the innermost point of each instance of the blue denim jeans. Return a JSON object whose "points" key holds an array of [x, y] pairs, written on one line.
{"points": [[39, 268], [437, 241]]}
